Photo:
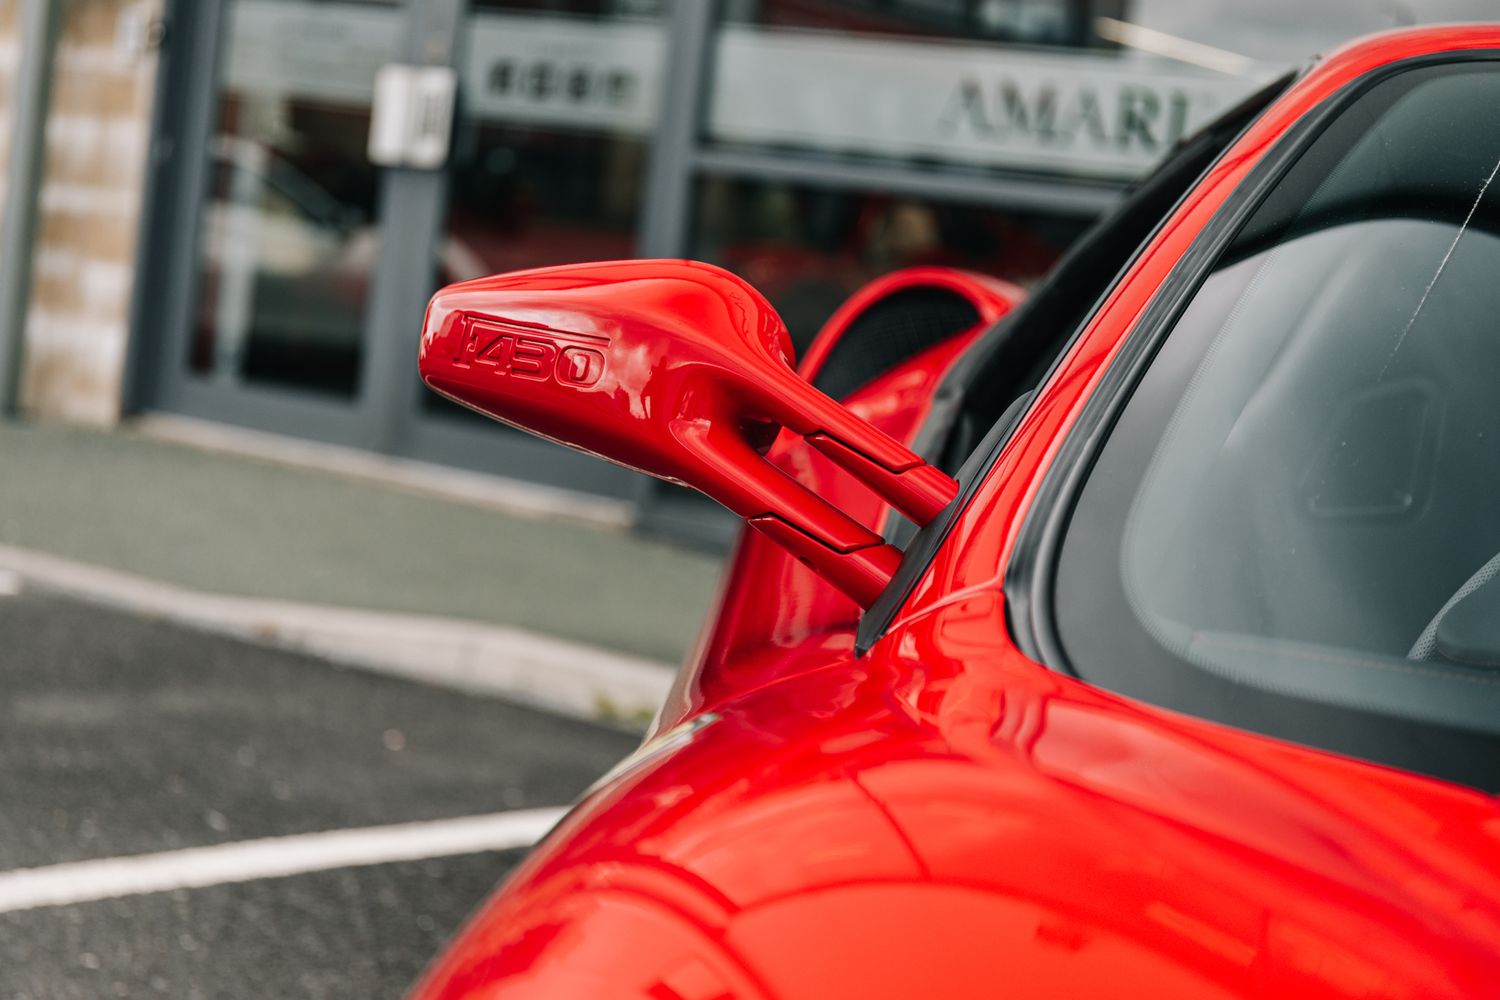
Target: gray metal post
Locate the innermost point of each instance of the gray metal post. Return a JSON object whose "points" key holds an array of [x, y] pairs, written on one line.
{"points": [[665, 232], [411, 214], [669, 182], [39, 29]]}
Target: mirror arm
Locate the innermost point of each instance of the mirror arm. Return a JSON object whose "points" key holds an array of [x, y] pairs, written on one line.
{"points": [[919, 491], [861, 573], [832, 544], [888, 468]]}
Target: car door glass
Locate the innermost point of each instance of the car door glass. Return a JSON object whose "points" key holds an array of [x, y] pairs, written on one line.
{"points": [[1308, 472]]}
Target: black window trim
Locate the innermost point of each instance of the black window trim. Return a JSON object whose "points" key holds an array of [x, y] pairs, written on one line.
{"points": [[1030, 575]]}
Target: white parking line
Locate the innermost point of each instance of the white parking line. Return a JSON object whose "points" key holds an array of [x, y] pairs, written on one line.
{"points": [[271, 857]]}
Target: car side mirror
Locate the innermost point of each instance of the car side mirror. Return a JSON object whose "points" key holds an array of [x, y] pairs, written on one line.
{"points": [[683, 371]]}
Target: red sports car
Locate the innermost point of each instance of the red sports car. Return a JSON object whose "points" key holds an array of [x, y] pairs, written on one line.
{"points": [[1138, 638]]}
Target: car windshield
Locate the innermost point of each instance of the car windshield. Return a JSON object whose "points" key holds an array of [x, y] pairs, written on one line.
{"points": [[1298, 503]]}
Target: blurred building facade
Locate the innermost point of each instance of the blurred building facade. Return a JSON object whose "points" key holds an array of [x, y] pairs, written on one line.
{"points": [[88, 204], [245, 204]]}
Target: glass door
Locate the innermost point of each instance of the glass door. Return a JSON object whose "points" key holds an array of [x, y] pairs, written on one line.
{"points": [[268, 312]]}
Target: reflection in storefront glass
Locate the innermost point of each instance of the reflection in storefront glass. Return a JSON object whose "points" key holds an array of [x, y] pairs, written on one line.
{"points": [[559, 100], [525, 196], [807, 249], [289, 236]]}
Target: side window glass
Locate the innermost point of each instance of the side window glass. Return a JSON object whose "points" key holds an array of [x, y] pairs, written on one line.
{"points": [[1299, 509]]}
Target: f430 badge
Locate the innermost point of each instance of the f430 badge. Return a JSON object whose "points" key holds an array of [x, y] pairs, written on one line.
{"points": [[534, 353]]}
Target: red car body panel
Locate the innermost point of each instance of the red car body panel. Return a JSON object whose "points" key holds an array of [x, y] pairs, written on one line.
{"points": [[944, 817]]}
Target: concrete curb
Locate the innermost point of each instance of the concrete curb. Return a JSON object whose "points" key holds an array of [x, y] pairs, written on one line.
{"points": [[555, 674]]}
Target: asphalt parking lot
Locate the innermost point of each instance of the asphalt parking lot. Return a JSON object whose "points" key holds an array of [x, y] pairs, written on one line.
{"points": [[127, 746]]}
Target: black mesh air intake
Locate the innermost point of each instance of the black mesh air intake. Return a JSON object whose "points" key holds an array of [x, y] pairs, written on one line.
{"points": [[895, 328]]}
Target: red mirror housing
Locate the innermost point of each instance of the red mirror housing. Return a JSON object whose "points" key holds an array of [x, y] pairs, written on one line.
{"points": [[683, 371]]}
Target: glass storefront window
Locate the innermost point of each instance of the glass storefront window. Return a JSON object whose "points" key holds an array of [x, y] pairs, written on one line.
{"points": [[529, 197], [808, 249], [1014, 87], [1092, 90], [558, 103], [1010, 86], [289, 231]]}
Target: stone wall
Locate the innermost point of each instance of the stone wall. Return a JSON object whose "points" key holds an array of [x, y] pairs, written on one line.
{"points": [[98, 134], [10, 57]]}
